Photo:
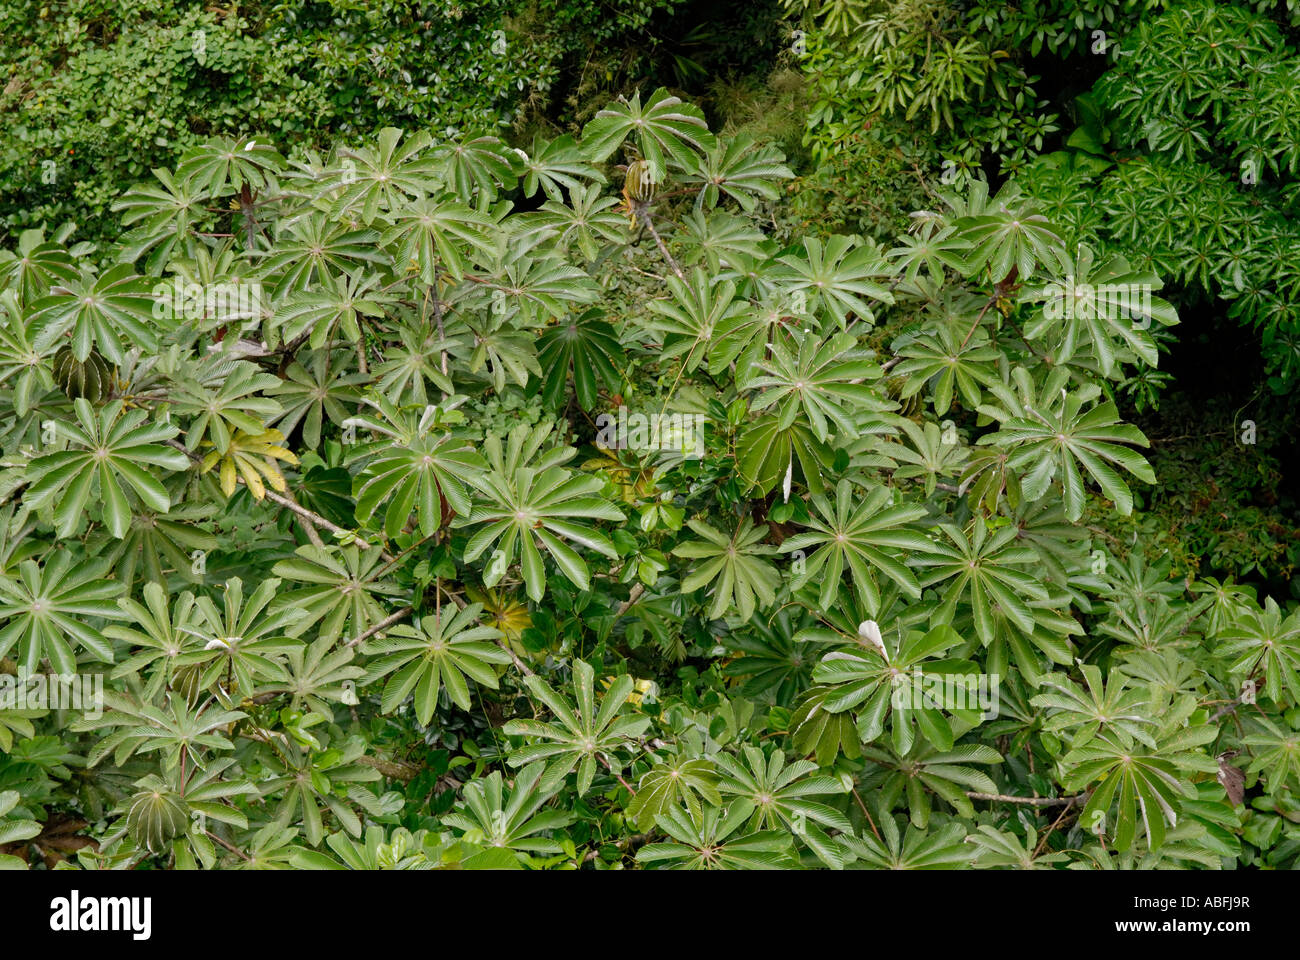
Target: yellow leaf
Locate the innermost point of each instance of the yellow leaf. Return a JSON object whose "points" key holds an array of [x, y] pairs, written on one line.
{"points": [[228, 478]]}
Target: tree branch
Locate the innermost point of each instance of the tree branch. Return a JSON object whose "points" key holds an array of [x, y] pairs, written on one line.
{"points": [[1030, 801], [383, 624]]}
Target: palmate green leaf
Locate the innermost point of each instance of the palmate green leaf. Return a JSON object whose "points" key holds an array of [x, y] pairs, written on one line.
{"points": [[1227, 600], [719, 239], [984, 570], [817, 731], [209, 793], [1033, 652], [675, 781], [432, 232], [939, 359], [820, 380], [861, 535], [1152, 624], [1009, 233], [585, 221], [320, 676], [581, 735], [526, 285], [22, 367], [380, 849], [331, 307], [440, 651], [243, 642], [779, 793], [158, 545], [477, 168], [708, 840], [163, 218], [1052, 434], [309, 779], [223, 164], [771, 665], [740, 169], [419, 467], [497, 345], [44, 609], [100, 312], [527, 510], [509, 820], [35, 267], [665, 129], [313, 249], [934, 247], [1147, 784], [585, 347], [157, 634], [734, 565], [223, 397], [924, 770], [414, 367], [117, 447], [766, 453], [1274, 752], [1098, 308], [1000, 848], [384, 176], [175, 731], [1111, 708], [897, 687], [839, 277], [315, 389], [928, 454], [690, 321], [1263, 639], [556, 166], [944, 848], [342, 588], [270, 848]]}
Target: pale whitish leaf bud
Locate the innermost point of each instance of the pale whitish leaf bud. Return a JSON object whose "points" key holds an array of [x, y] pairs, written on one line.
{"points": [[869, 630]]}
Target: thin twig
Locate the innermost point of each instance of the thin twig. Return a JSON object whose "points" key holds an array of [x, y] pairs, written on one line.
{"points": [[867, 813], [293, 505], [234, 850], [290, 504], [1042, 844]]}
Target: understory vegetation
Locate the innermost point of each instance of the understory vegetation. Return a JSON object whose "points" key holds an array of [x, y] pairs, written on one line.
{"points": [[632, 435]]}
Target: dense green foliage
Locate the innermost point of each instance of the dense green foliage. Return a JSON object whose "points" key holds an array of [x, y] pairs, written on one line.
{"points": [[426, 501], [98, 94]]}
